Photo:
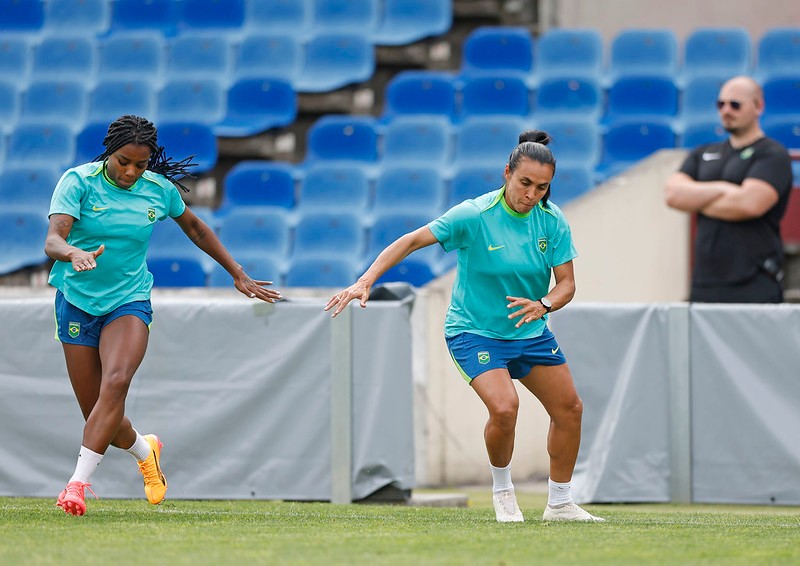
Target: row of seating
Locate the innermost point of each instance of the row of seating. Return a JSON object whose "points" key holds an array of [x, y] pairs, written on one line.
{"points": [[383, 22]]}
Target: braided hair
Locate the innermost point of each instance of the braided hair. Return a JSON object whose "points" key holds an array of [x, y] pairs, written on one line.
{"points": [[140, 131], [533, 145]]}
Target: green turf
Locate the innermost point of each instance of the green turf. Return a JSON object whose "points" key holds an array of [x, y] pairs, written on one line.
{"points": [[33, 531]]}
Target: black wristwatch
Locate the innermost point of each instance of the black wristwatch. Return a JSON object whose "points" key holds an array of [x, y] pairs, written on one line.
{"points": [[546, 303]]}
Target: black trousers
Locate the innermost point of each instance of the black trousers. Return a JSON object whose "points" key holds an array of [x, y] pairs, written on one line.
{"points": [[762, 288]]}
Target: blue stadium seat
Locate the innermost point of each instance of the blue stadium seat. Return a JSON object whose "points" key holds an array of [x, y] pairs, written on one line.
{"points": [[65, 57], [182, 139], [413, 189], [642, 98], [407, 21], [416, 140], [200, 56], [41, 144], [411, 270], [321, 272], [133, 55], [91, 17], [779, 53], [469, 182], [499, 50], [335, 137], [330, 187], [176, 272], [22, 235], [196, 100], [625, 144], [16, 57], [698, 100], [487, 140], [284, 17], [421, 92], [494, 95], [781, 99], [262, 229], [333, 61], [345, 16], [216, 15], [22, 17], [10, 105], [259, 266], [274, 56], [573, 142], [386, 228], [644, 52], [701, 133], [117, 97], [787, 133], [61, 102], [329, 234], [89, 142], [28, 188], [570, 53], [571, 182], [574, 97], [259, 183], [168, 240], [158, 15], [716, 52], [255, 106]]}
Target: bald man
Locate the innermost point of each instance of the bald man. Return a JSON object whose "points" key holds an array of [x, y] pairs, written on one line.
{"points": [[739, 189]]}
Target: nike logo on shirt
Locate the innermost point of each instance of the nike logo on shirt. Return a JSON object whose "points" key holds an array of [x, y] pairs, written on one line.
{"points": [[493, 248], [96, 208]]}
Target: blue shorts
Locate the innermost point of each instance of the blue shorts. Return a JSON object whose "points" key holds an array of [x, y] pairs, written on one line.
{"points": [[74, 326], [474, 354]]}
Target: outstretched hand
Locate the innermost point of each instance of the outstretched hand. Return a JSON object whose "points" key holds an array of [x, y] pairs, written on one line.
{"points": [[256, 289], [529, 311], [86, 261], [358, 290]]}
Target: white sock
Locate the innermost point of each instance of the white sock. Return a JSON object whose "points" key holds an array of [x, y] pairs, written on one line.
{"points": [[140, 449], [501, 478], [559, 493], [87, 464]]}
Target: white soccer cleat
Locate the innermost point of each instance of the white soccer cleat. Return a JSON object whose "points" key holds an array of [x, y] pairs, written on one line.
{"points": [[569, 512], [505, 507]]}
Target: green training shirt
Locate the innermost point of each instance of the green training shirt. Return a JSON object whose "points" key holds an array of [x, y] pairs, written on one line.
{"points": [[500, 253], [123, 220]]}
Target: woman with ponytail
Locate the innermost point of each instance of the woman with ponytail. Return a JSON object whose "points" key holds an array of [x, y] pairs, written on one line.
{"points": [[101, 217], [509, 243]]}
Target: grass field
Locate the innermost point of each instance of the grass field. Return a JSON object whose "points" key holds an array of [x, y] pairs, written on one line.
{"points": [[33, 531]]}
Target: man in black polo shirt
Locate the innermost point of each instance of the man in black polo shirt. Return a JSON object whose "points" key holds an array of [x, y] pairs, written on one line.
{"points": [[739, 189]]}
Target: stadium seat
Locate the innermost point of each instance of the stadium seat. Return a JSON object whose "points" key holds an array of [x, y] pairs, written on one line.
{"points": [[494, 95], [10, 105], [215, 15], [16, 59], [336, 137], [28, 188], [89, 142], [625, 144], [200, 56], [571, 182], [698, 100], [259, 266], [284, 17], [39, 144], [386, 228], [176, 272], [329, 234], [412, 271], [421, 92], [117, 97], [716, 52], [499, 50], [333, 61], [64, 57], [573, 142], [196, 100], [158, 15], [262, 229], [259, 183], [642, 98], [168, 240], [321, 272], [701, 133], [779, 53], [274, 56], [644, 52], [786, 132], [412, 189], [345, 16], [790, 224], [781, 99], [136, 55], [182, 139], [416, 140], [2, 150], [564, 98], [22, 235], [92, 17], [22, 17], [570, 53], [255, 106], [487, 140], [469, 182], [62, 102], [406, 21], [330, 187]]}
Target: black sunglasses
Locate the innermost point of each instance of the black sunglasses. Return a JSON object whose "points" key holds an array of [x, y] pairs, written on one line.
{"points": [[735, 104]]}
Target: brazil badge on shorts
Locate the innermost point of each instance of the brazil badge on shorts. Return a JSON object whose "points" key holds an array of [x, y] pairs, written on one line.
{"points": [[74, 329], [484, 357]]}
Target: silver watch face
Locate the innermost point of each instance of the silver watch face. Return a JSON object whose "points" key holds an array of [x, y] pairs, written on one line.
{"points": [[546, 302]]}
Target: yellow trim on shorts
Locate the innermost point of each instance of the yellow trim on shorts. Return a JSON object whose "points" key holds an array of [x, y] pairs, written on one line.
{"points": [[467, 378]]}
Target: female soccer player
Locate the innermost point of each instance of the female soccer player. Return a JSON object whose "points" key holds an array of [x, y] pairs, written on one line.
{"points": [[508, 242], [101, 217]]}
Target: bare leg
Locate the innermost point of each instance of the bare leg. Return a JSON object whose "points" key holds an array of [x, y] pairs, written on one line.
{"points": [[554, 388], [500, 397]]}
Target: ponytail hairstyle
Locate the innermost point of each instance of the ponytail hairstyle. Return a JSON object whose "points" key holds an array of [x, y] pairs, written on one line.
{"points": [[140, 131], [533, 145]]}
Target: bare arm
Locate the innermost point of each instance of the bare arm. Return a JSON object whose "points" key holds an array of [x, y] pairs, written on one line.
{"points": [[388, 258], [204, 238], [56, 246], [561, 294], [750, 200], [684, 193]]}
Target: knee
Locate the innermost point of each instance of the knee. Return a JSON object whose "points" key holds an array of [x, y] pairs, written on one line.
{"points": [[504, 415], [115, 385], [570, 413]]}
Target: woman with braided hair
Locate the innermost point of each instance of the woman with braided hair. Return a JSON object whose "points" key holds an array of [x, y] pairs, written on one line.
{"points": [[101, 217]]}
